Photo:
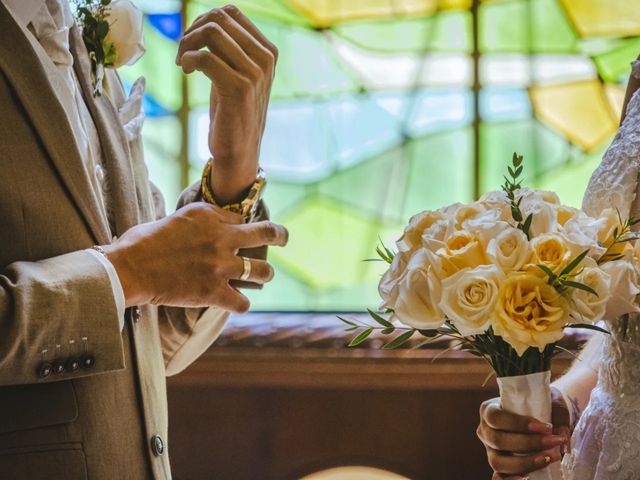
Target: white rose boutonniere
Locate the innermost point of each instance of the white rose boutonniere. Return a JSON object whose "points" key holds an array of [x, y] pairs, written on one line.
{"points": [[112, 33]]}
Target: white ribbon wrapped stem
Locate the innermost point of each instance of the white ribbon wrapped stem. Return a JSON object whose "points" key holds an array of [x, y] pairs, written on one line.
{"points": [[530, 395]]}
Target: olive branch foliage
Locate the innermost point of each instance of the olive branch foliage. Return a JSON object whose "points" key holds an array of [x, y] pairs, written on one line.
{"points": [[499, 354]]}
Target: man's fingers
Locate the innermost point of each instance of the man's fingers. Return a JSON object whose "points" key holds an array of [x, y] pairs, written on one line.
{"points": [[218, 41], [232, 300], [500, 419], [235, 13], [259, 234], [227, 216], [212, 66], [506, 464], [260, 271], [251, 46]]}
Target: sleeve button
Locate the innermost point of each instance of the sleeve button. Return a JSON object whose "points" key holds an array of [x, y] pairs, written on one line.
{"points": [[87, 361], [44, 369], [58, 366], [73, 364]]}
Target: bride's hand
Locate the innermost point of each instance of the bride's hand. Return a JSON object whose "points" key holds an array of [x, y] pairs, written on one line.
{"points": [[536, 444]]}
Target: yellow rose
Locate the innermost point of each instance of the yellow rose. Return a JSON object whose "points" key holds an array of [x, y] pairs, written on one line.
{"points": [[554, 251], [564, 214], [461, 250], [529, 312]]}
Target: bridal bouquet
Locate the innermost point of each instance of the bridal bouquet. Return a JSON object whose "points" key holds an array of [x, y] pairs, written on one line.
{"points": [[505, 276]]}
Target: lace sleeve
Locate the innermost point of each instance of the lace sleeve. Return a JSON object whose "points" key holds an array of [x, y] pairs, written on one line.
{"points": [[615, 181]]}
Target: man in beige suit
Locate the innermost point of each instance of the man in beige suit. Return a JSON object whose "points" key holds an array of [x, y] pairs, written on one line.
{"points": [[86, 335]]}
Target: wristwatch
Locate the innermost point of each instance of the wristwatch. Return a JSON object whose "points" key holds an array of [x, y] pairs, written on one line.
{"points": [[248, 207]]}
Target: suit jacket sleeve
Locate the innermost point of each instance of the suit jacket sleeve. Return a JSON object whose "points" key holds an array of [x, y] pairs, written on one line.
{"points": [[57, 309], [188, 333]]}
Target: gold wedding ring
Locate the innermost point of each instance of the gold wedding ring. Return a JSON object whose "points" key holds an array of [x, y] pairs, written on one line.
{"points": [[547, 459], [246, 269]]}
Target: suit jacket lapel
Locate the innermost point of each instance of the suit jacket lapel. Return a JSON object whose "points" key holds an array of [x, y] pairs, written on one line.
{"points": [[113, 140], [23, 69]]}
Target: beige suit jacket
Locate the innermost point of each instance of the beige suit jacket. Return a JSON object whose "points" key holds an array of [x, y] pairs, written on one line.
{"points": [[107, 418]]}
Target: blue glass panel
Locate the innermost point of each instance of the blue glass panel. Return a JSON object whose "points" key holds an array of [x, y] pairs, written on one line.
{"points": [[169, 24], [501, 104], [150, 106]]}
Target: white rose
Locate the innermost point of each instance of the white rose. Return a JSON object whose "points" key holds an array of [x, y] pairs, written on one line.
{"points": [[486, 225], [469, 297], [435, 236], [387, 288], [582, 231], [125, 32], [498, 201], [467, 212], [418, 224], [587, 306], [624, 288], [509, 250], [418, 295], [544, 216]]}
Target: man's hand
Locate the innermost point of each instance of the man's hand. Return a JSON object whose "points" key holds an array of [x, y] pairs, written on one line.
{"points": [[240, 61], [505, 434], [187, 259]]}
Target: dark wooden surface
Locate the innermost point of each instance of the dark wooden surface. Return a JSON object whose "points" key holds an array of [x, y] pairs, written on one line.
{"points": [[255, 407]]}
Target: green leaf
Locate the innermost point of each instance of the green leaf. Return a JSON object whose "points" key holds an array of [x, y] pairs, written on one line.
{"points": [[382, 321], [588, 326], [361, 337], [527, 224], [579, 286], [348, 322], [576, 261], [552, 276], [511, 172], [517, 159], [389, 330], [519, 171], [399, 340], [429, 333], [102, 29], [105, 2]]}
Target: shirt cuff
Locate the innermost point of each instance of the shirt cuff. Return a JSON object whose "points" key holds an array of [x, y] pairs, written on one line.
{"points": [[116, 286]]}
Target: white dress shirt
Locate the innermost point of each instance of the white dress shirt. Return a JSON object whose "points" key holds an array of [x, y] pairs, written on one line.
{"points": [[47, 23]]}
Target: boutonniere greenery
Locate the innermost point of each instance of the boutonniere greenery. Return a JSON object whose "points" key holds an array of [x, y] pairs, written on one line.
{"points": [[112, 33], [93, 17]]}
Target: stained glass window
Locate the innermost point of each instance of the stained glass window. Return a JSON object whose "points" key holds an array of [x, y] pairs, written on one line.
{"points": [[383, 108]]}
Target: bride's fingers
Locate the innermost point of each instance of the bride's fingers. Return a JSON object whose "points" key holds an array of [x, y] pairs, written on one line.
{"points": [[500, 419], [506, 465], [517, 442]]}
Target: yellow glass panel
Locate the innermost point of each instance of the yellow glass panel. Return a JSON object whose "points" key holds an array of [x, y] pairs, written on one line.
{"points": [[604, 17], [615, 95], [354, 473], [454, 4], [324, 13], [580, 111]]}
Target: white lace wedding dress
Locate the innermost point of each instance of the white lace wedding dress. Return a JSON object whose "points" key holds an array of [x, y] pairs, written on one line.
{"points": [[606, 441]]}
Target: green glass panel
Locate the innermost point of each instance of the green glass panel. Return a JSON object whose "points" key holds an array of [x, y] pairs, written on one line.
{"points": [[284, 293], [276, 10], [158, 66], [542, 150], [614, 66], [161, 154], [282, 198], [327, 243], [447, 31], [570, 180], [382, 194], [307, 66], [440, 171], [525, 26]]}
